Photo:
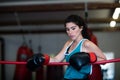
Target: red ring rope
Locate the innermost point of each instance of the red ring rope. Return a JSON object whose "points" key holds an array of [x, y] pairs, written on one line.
{"points": [[61, 63]]}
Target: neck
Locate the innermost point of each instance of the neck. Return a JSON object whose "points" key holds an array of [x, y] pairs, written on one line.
{"points": [[78, 39]]}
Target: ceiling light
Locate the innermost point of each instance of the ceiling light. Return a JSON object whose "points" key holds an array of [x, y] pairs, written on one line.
{"points": [[116, 13], [112, 23]]}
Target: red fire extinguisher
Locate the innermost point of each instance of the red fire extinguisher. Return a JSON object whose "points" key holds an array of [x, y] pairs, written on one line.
{"points": [[21, 72]]}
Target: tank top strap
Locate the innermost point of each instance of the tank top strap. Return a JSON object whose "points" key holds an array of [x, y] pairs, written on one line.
{"points": [[81, 44], [78, 48]]}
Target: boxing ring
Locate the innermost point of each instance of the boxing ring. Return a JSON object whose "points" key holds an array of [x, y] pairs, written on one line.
{"points": [[61, 63]]}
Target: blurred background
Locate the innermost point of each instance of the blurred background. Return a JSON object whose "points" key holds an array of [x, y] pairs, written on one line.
{"points": [[38, 24]]}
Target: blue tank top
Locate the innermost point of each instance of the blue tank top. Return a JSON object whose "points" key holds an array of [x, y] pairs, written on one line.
{"points": [[72, 73]]}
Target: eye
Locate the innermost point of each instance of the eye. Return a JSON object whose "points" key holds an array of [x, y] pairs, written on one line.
{"points": [[73, 28]]}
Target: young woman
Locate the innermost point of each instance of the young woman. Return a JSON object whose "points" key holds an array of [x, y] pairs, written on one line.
{"points": [[78, 42]]}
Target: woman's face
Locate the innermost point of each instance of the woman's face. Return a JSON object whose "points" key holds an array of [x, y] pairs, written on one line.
{"points": [[73, 30]]}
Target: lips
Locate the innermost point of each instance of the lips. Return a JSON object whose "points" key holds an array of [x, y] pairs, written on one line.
{"points": [[71, 36]]}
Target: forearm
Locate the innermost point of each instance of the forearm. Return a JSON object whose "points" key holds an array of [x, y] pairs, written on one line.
{"points": [[53, 59], [101, 58]]}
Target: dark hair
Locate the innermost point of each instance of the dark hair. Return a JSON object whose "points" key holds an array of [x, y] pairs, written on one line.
{"points": [[80, 22]]}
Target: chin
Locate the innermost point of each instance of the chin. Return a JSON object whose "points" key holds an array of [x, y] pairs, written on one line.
{"points": [[73, 39]]}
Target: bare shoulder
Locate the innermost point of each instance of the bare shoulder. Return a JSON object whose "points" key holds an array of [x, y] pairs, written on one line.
{"points": [[88, 43], [68, 42]]}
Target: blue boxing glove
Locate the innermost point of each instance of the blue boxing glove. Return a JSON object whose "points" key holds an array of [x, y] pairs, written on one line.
{"points": [[37, 60], [80, 59]]}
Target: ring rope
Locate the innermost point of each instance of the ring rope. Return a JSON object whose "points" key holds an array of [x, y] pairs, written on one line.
{"points": [[60, 63]]}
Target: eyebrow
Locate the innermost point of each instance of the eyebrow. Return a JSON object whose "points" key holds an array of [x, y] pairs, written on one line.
{"points": [[73, 26], [70, 27]]}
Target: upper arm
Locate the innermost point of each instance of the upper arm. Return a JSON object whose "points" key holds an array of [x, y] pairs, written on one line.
{"points": [[91, 47], [60, 56]]}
